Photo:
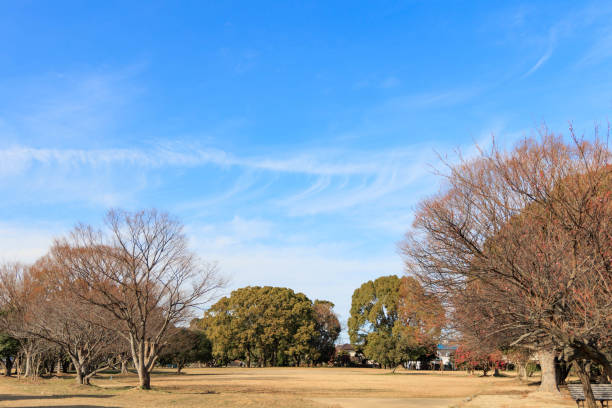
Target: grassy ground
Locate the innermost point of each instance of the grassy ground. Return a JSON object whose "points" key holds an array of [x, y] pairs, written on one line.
{"points": [[281, 387]]}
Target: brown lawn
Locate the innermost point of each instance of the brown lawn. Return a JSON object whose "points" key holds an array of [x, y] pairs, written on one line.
{"points": [[282, 387]]}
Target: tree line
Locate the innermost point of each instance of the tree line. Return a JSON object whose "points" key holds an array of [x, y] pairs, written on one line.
{"points": [[103, 297]]}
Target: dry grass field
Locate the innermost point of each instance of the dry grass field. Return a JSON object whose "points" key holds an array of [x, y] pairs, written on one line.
{"points": [[282, 387]]}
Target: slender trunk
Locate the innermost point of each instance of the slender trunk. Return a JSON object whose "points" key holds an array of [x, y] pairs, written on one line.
{"points": [[124, 369], [36, 365], [18, 365], [28, 364], [583, 368], [522, 371], [549, 375]]}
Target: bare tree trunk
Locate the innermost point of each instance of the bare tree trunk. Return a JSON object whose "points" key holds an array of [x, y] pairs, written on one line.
{"points": [[522, 370], [583, 368], [124, 369], [145, 379], [79, 377], [549, 375], [28, 364], [18, 365]]}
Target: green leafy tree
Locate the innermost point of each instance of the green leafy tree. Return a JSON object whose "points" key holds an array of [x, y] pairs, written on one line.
{"points": [[266, 326], [393, 320], [9, 347]]}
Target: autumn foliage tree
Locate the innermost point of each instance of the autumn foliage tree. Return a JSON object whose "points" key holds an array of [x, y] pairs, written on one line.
{"points": [[524, 237], [328, 329]]}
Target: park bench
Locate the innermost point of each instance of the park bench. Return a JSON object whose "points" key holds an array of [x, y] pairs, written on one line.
{"points": [[602, 393]]}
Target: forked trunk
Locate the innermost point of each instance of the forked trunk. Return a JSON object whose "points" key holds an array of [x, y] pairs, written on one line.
{"points": [[549, 374]]}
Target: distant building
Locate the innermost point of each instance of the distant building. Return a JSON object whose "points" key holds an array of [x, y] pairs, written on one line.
{"points": [[346, 348], [445, 355]]}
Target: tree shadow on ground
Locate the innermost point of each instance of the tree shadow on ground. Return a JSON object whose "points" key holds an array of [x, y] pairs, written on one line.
{"points": [[8, 397], [72, 406]]}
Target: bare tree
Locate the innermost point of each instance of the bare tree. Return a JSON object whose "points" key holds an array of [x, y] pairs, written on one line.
{"points": [[43, 309], [140, 270]]}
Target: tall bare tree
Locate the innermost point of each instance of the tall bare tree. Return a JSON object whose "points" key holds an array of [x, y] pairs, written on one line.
{"points": [[140, 270]]}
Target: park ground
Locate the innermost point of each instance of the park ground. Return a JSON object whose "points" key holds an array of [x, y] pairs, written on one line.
{"points": [[283, 387]]}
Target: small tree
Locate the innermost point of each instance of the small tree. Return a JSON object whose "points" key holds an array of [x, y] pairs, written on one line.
{"points": [[328, 329], [9, 348], [186, 346]]}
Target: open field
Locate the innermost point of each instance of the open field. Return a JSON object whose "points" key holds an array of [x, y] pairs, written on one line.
{"points": [[281, 387]]}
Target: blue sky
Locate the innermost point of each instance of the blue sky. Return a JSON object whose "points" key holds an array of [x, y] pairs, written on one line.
{"points": [[293, 139]]}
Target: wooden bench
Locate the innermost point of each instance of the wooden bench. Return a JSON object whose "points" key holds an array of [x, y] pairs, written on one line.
{"points": [[602, 393]]}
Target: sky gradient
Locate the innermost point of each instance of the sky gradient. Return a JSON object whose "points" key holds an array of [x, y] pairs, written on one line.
{"points": [[293, 139]]}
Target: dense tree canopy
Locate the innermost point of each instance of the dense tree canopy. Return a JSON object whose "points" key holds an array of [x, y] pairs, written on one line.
{"points": [[270, 326]]}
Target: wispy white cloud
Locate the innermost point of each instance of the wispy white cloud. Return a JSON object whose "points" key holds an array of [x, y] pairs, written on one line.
{"points": [[550, 46], [599, 51], [19, 158], [540, 62], [434, 99]]}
